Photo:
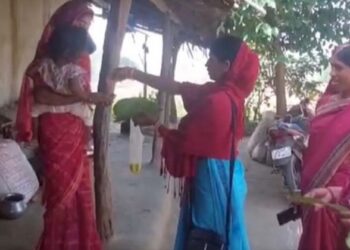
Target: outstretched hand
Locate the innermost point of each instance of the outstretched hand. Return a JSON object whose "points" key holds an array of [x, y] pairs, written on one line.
{"points": [[101, 98], [120, 74]]}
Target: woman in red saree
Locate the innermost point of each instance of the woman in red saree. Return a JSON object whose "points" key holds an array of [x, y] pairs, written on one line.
{"points": [[326, 171], [69, 220], [204, 147], [76, 13]]}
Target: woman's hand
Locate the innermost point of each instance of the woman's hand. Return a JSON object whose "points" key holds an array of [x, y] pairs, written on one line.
{"points": [[160, 83], [322, 194], [101, 98], [144, 120], [121, 74], [345, 218], [326, 195], [45, 95]]}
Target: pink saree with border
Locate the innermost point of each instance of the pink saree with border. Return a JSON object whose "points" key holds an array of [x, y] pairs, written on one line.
{"points": [[327, 163]]}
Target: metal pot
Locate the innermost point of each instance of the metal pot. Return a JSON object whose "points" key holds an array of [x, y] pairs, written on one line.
{"points": [[12, 206]]}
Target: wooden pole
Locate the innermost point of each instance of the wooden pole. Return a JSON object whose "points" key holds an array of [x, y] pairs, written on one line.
{"points": [[168, 42], [145, 55], [116, 26], [171, 112], [167, 71]]}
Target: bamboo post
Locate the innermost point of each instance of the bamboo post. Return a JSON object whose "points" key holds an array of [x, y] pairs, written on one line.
{"points": [[145, 56], [167, 71], [168, 42], [170, 112], [116, 26]]}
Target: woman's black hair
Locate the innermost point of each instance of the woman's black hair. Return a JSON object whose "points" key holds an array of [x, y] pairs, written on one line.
{"points": [[226, 48], [69, 41], [344, 55]]}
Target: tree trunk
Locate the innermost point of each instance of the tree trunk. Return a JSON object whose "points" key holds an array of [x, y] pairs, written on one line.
{"points": [[117, 21], [257, 114], [280, 85]]}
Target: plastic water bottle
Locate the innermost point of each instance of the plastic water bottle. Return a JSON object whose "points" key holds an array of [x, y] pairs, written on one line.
{"points": [[135, 148]]}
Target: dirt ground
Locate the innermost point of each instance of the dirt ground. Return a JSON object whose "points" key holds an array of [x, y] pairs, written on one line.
{"points": [[146, 216]]}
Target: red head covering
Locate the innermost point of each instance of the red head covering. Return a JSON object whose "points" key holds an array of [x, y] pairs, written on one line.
{"points": [[206, 131], [68, 13]]}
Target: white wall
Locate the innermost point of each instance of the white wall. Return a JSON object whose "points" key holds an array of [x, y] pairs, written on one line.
{"points": [[21, 24]]}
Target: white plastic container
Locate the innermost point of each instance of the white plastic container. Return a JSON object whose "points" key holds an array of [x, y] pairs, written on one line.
{"points": [[135, 148]]}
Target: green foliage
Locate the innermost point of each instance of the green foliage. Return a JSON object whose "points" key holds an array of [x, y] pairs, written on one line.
{"points": [[300, 34], [127, 108], [304, 26], [262, 94]]}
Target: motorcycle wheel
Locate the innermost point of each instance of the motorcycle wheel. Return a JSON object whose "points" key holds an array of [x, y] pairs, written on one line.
{"points": [[292, 174]]}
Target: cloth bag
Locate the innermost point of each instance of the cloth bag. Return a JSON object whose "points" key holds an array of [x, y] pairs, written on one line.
{"points": [[16, 173]]}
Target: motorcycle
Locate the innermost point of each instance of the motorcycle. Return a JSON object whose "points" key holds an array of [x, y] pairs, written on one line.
{"points": [[286, 141]]}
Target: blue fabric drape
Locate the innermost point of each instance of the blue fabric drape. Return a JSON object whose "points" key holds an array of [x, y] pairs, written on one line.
{"points": [[210, 203]]}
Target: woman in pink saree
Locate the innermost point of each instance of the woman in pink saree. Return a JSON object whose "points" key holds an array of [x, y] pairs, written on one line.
{"points": [[326, 172]]}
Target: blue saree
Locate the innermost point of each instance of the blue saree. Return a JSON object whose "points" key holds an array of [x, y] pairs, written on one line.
{"points": [[210, 203]]}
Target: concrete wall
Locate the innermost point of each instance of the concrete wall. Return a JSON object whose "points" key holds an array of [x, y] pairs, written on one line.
{"points": [[21, 24]]}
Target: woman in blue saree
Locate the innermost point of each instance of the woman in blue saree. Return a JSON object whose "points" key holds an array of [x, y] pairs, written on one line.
{"points": [[202, 149]]}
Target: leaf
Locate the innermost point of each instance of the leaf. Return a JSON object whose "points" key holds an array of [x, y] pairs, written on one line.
{"points": [[275, 31], [307, 201], [267, 29], [270, 3], [258, 27], [282, 59]]}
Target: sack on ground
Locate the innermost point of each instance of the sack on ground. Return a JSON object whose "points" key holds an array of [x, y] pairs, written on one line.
{"points": [[16, 173], [259, 135], [259, 153]]}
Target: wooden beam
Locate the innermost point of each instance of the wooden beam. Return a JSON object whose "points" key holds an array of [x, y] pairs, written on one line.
{"points": [[163, 6], [116, 26]]}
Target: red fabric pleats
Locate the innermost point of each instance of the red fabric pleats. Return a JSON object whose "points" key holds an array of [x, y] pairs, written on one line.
{"points": [[69, 220]]}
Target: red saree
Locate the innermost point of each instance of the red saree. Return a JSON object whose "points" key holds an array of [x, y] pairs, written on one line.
{"points": [[69, 220], [206, 131], [327, 163], [68, 13]]}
